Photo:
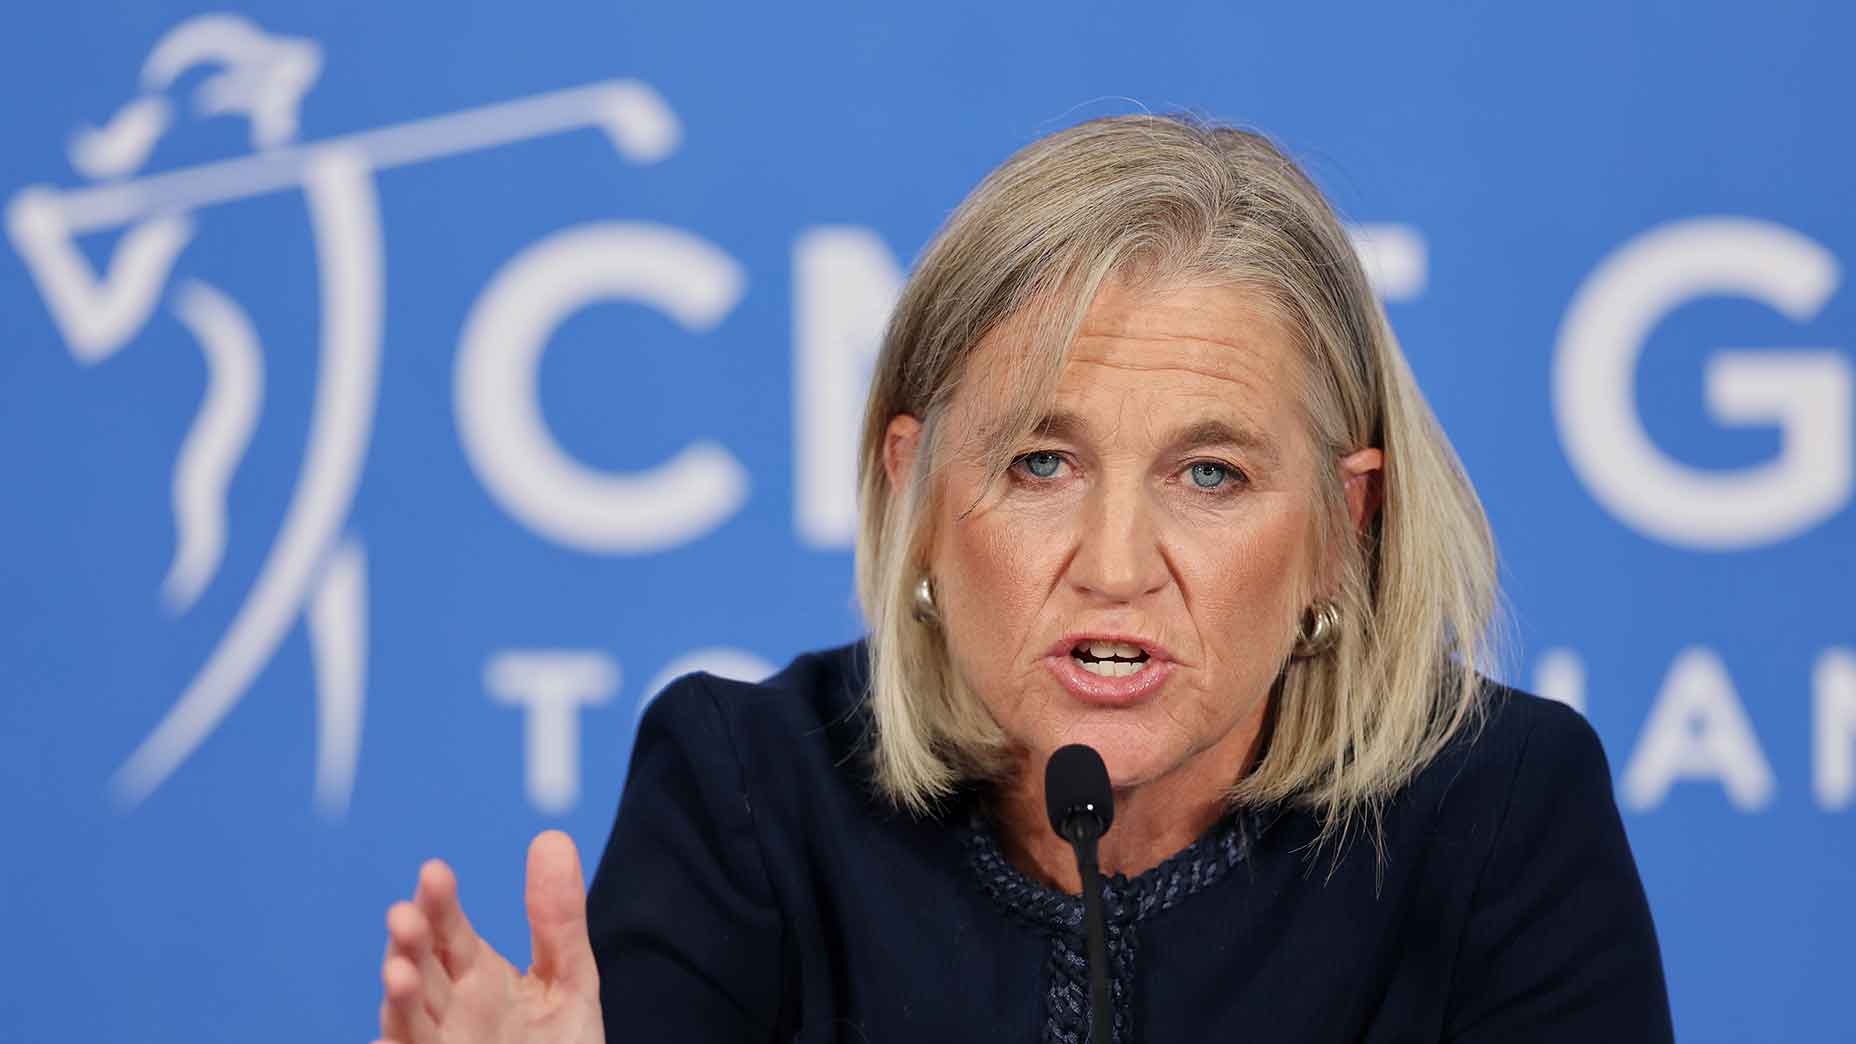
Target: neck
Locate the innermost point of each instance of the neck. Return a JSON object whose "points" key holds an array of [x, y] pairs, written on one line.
{"points": [[1153, 820]]}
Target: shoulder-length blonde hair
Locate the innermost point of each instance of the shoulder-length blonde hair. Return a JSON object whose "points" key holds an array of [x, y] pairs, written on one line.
{"points": [[1154, 200]]}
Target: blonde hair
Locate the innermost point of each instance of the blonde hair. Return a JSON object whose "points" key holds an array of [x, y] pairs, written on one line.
{"points": [[1151, 201]]}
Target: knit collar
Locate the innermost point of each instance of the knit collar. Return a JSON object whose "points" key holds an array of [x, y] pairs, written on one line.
{"points": [[1125, 900]]}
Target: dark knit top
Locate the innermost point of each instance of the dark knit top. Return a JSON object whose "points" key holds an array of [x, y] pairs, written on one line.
{"points": [[755, 888]]}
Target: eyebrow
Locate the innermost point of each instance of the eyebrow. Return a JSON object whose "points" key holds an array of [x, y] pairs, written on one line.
{"points": [[1204, 432]]}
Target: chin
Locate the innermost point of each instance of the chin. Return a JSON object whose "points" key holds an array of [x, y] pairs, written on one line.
{"points": [[1133, 757]]}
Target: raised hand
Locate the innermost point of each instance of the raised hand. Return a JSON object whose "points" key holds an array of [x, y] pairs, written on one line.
{"points": [[446, 985]]}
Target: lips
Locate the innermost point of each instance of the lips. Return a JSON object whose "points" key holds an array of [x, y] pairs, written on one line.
{"points": [[1112, 670]]}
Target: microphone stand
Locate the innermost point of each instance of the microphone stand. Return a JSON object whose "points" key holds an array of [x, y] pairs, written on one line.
{"points": [[1082, 838]]}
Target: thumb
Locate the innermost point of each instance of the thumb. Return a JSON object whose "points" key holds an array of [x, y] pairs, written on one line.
{"points": [[557, 913]]}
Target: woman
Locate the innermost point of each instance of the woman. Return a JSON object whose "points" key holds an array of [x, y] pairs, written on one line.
{"points": [[1143, 468]]}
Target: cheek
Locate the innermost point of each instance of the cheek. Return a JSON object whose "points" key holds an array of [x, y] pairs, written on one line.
{"points": [[994, 571], [1246, 585], [996, 575]]}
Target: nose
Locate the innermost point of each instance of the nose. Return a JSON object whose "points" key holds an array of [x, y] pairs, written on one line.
{"points": [[1118, 557]]}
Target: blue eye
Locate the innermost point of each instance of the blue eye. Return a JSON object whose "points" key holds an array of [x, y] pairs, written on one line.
{"points": [[1208, 475], [1042, 465]]}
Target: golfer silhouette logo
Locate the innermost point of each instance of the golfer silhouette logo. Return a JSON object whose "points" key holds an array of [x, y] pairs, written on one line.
{"points": [[315, 569]]}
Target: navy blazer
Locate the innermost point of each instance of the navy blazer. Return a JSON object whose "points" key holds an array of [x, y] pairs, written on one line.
{"points": [[757, 888]]}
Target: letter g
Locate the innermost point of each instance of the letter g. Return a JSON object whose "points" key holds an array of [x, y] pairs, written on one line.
{"points": [[1807, 394]]}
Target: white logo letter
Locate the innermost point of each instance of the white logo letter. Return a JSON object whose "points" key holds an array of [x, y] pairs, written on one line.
{"points": [[499, 412], [1806, 394], [1559, 675], [1698, 730], [845, 283], [1833, 692], [553, 684]]}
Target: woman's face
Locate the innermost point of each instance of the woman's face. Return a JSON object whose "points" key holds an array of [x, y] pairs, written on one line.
{"points": [[1135, 580]]}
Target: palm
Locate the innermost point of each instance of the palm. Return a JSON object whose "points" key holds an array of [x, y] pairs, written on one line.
{"points": [[446, 985], [493, 1003]]}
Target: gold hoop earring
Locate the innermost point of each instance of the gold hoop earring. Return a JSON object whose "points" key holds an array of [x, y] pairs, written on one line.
{"points": [[1319, 631], [925, 611]]}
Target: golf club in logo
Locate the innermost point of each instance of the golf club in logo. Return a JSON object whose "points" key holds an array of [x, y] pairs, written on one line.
{"points": [[316, 568]]}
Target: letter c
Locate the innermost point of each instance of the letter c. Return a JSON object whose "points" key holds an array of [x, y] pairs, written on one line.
{"points": [[499, 409], [1807, 394]]}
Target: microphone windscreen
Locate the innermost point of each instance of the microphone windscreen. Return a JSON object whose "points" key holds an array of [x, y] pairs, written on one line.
{"points": [[1076, 781]]}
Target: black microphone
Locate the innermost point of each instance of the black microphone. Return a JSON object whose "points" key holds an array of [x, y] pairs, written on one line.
{"points": [[1081, 807]]}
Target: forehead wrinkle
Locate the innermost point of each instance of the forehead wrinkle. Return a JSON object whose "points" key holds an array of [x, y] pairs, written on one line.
{"points": [[1215, 344], [1250, 393], [1247, 365], [1216, 359], [1249, 388], [1216, 318], [1229, 324]]}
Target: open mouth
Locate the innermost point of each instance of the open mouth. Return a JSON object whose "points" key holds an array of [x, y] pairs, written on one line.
{"points": [[1109, 659]]}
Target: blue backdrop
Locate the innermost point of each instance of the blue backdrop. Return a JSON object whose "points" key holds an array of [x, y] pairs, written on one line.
{"points": [[380, 379]]}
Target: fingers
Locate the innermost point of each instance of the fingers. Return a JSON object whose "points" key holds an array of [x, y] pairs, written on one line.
{"points": [[429, 943], [454, 941], [403, 1017], [556, 898], [410, 936]]}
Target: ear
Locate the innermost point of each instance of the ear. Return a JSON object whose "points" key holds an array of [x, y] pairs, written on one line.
{"points": [[900, 443], [1362, 473]]}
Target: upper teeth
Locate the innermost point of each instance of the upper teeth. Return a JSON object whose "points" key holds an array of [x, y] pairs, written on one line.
{"points": [[1104, 650], [1112, 668]]}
